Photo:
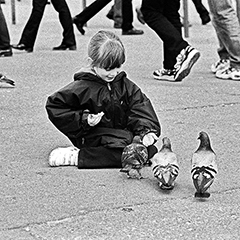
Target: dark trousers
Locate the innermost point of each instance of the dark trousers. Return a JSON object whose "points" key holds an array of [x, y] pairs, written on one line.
{"points": [[31, 29], [202, 11], [98, 5], [4, 34], [102, 157], [163, 17]]}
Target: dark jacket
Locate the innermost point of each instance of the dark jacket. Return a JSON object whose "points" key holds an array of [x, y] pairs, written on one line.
{"points": [[127, 111]]}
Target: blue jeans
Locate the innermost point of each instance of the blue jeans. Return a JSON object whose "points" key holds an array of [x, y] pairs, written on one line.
{"points": [[227, 27], [4, 34]]}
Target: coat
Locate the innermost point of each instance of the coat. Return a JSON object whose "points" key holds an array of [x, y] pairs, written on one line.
{"points": [[127, 111]]}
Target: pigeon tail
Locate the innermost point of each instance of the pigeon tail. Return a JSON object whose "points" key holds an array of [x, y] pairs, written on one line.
{"points": [[202, 182], [165, 176], [202, 195]]}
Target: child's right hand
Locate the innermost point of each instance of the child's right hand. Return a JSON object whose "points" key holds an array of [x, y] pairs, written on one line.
{"points": [[94, 119], [149, 139]]}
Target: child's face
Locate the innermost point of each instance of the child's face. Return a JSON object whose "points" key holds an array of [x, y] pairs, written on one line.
{"points": [[107, 75]]}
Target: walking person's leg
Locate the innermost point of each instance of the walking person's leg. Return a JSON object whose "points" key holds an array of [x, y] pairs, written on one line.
{"points": [[83, 17], [202, 11], [180, 56], [174, 42], [226, 24], [127, 19], [117, 13], [65, 18], [30, 30], [5, 48]]}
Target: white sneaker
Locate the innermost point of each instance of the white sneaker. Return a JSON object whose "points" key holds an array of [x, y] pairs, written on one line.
{"points": [[185, 60], [230, 73], [164, 74], [64, 156], [221, 64]]}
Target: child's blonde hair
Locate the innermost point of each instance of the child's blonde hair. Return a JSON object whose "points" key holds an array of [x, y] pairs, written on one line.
{"points": [[106, 50]]}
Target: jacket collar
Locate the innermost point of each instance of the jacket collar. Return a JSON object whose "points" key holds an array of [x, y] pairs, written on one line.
{"points": [[88, 75]]}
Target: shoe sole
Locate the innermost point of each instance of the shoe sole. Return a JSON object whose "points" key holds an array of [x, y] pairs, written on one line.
{"points": [[6, 55], [64, 49], [28, 50], [187, 66], [228, 77], [132, 33], [166, 78]]}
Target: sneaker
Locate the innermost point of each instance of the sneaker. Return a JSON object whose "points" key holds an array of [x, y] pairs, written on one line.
{"points": [[164, 74], [230, 73], [67, 156], [221, 64], [185, 60]]}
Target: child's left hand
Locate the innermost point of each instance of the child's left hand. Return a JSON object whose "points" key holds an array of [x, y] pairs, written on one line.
{"points": [[94, 119], [149, 139]]}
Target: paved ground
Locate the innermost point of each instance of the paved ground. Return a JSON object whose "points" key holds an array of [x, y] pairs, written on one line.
{"points": [[39, 202]]}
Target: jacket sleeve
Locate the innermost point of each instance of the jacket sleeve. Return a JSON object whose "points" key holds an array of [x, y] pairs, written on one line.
{"points": [[142, 116], [66, 114]]}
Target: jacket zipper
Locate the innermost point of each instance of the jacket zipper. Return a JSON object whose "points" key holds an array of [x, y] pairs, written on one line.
{"points": [[112, 102]]}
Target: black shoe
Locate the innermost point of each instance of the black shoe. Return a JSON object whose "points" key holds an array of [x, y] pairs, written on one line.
{"points": [[110, 13], [78, 25], [117, 25], [22, 46], [6, 52], [205, 19], [65, 47], [132, 31]]}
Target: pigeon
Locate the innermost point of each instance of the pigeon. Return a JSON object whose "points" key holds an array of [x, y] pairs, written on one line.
{"points": [[5, 80], [134, 158], [165, 165], [204, 166]]}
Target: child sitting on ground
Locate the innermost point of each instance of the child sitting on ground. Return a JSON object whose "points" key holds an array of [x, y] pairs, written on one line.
{"points": [[101, 111]]}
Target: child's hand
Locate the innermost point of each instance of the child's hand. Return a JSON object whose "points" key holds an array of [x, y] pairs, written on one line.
{"points": [[94, 119], [149, 139]]}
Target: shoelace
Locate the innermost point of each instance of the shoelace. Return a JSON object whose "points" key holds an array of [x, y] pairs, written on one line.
{"points": [[220, 62], [169, 72], [180, 58]]}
